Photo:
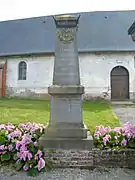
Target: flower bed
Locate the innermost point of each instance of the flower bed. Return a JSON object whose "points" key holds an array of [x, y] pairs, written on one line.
{"points": [[115, 148], [20, 145], [114, 139]]}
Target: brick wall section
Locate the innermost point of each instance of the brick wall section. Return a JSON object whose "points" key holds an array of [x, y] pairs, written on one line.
{"points": [[92, 159], [4, 80]]}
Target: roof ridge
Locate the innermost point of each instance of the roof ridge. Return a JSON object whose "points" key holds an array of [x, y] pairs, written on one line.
{"points": [[83, 13]]}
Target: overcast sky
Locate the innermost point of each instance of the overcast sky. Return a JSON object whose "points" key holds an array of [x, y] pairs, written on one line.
{"points": [[17, 9]]}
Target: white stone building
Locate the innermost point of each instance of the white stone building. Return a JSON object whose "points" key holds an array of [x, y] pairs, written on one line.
{"points": [[106, 55]]}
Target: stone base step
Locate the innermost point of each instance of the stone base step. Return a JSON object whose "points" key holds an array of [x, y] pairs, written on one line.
{"points": [[122, 103], [67, 143]]}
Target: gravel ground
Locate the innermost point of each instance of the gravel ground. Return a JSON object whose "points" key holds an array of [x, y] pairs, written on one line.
{"points": [[124, 113], [73, 174]]}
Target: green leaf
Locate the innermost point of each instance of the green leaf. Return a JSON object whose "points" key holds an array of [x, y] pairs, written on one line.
{"points": [[5, 157], [48, 165], [15, 157], [2, 132], [132, 143], [3, 140], [31, 161], [32, 172], [32, 148], [19, 165]]}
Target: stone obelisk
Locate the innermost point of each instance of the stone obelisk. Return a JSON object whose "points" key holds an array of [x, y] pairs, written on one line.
{"points": [[66, 129]]}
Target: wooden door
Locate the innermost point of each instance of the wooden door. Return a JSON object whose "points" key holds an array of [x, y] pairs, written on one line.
{"points": [[119, 83]]}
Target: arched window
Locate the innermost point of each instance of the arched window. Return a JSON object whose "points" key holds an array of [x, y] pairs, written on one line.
{"points": [[22, 70]]}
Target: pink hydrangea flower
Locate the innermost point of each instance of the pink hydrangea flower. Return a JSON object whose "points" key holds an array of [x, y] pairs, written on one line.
{"points": [[97, 134], [128, 135], [25, 168], [28, 126], [101, 131], [106, 139], [39, 153], [10, 147], [36, 157], [35, 127], [26, 139], [118, 130], [19, 155], [124, 142], [23, 147], [35, 143], [16, 134], [22, 126], [29, 155], [2, 147], [9, 136], [24, 155], [6, 147], [41, 164], [17, 145], [128, 130], [10, 127], [4, 152], [108, 129], [2, 126]]}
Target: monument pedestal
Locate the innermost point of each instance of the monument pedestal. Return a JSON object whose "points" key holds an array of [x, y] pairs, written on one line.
{"points": [[66, 129], [67, 143]]}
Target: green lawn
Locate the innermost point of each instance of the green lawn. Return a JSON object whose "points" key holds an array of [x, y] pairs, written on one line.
{"points": [[21, 110]]}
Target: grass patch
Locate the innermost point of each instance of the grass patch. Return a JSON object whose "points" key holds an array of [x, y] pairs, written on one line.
{"points": [[99, 113], [23, 110]]}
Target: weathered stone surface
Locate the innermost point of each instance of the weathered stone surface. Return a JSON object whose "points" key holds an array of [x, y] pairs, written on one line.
{"points": [[66, 65], [66, 109], [66, 89], [95, 158], [66, 143], [66, 129]]}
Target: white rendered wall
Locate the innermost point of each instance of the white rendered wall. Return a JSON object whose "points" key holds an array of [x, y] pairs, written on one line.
{"points": [[95, 71]]}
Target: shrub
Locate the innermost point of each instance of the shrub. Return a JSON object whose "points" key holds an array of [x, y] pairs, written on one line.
{"points": [[20, 144], [119, 137]]}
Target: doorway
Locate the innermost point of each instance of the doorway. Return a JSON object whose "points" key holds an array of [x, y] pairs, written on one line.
{"points": [[119, 83]]}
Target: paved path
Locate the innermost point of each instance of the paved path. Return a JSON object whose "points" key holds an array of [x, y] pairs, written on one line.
{"points": [[124, 113], [75, 174]]}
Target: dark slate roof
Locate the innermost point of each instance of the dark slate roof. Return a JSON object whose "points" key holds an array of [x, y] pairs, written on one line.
{"points": [[131, 29], [98, 31]]}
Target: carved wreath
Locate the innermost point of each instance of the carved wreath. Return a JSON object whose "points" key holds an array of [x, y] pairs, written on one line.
{"points": [[66, 35]]}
